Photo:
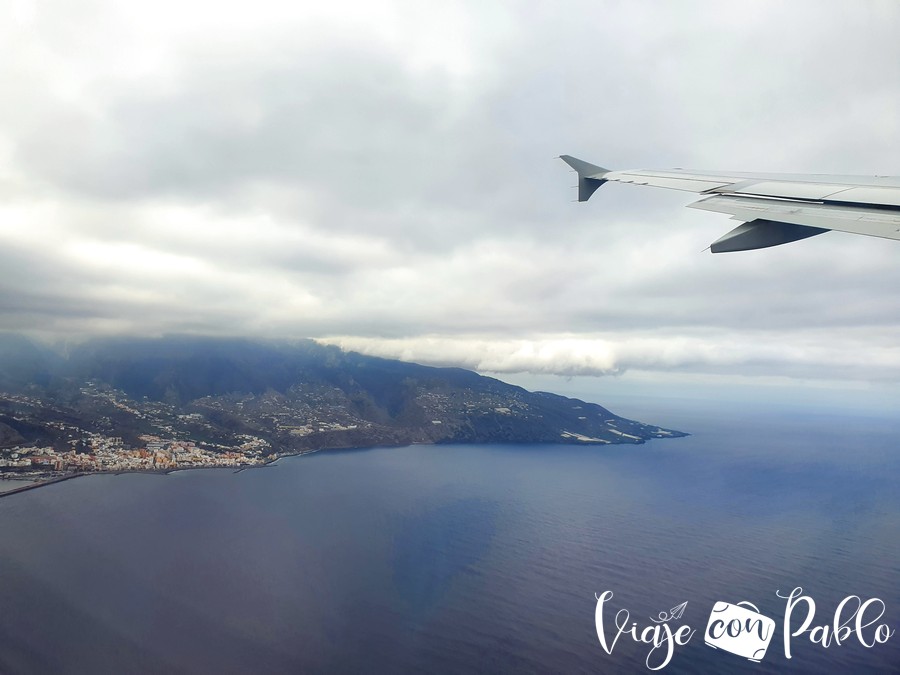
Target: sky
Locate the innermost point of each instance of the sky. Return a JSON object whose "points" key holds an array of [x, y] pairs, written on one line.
{"points": [[383, 175]]}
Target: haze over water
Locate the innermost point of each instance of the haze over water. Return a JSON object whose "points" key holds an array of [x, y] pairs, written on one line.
{"points": [[459, 558]]}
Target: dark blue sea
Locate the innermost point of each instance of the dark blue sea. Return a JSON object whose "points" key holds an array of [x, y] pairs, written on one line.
{"points": [[457, 559]]}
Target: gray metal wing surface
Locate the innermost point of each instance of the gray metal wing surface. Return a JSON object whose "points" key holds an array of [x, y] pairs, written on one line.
{"points": [[773, 208]]}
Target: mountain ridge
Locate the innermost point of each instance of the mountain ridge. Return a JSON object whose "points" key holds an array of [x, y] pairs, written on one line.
{"points": [[292, 396]]}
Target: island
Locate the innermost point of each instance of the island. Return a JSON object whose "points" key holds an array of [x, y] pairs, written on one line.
{"points": [[162, 404]]}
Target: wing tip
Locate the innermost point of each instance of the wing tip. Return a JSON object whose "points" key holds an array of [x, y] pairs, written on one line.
{"points": [[583, 168], [590, 176]]}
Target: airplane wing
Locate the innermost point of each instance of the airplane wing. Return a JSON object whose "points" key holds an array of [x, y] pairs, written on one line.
{"points": [[773, 208]]}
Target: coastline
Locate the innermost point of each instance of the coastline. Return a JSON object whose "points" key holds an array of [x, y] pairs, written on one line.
{"points": [[157, 472], [164, 472]]}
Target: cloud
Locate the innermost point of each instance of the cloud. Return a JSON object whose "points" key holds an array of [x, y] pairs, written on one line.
{"points": [[386, 174], [856, 357]]}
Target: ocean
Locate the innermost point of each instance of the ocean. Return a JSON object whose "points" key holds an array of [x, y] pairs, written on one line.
{"points": [[479, 558]]}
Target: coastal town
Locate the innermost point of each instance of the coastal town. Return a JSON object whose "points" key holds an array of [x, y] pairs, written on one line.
{"points": [[109, 454], [66, 448]]}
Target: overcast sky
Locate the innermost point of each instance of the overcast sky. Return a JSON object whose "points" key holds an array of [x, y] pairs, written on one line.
{"points": [[383, 175]]}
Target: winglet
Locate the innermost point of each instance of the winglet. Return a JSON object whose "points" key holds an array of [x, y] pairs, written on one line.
{"points": [[590, 176]]}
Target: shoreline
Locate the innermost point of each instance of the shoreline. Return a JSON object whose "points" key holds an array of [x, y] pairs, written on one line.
{"points": [[165, 472], [153, 472]]}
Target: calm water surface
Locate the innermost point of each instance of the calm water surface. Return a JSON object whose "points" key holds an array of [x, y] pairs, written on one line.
{"points": [[459, 558]]}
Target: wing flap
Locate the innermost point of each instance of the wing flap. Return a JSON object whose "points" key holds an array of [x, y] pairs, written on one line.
{"points": [[843, 218], [785, 189], [885, 196]]}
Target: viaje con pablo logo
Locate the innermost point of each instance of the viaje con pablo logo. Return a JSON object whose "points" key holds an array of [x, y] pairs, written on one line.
{"points": [[742, 630]]}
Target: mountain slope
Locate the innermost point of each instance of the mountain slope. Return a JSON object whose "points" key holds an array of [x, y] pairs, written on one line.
{"points": [[299, 396]]}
